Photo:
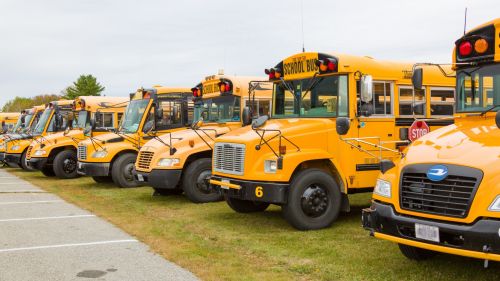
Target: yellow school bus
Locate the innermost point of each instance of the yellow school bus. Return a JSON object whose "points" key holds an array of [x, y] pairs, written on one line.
{"points": [[444, 194], [111, 157], [8, 119], [52, 120], [26, 122], [181, 161], [56, 154], [296, 159]]}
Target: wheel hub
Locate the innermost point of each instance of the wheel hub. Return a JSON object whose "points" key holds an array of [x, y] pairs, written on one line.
{"points": [[128, 174], [69, 165], [202, 182], [314, 201]]}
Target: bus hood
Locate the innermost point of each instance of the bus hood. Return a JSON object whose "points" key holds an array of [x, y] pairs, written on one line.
{"points": [[183, 138], [293, 129], [472, 141]]}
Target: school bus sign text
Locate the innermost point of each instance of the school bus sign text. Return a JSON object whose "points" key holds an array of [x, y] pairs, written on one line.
{"points": [[300, 66]]}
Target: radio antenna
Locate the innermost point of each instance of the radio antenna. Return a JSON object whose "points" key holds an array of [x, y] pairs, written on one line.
{"points": [[302, 24], [465, 21]]}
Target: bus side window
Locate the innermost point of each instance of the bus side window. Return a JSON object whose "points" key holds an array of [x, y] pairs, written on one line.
{"points": [[406, 105], [442, 101]]}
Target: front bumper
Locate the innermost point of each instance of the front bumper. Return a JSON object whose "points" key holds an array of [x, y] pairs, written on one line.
{"points": [[160, 179], [37, 163], [93, 169], [13, 159], [478, 240], [269, 192]]}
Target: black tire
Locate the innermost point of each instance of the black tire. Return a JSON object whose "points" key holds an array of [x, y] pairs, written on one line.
{"points": [[103, 179], [24, 162], [65, 164], [121, 172], [414, 253], [194, 182], [48, 171], [314, 200], [167, 192], [244, 206]]}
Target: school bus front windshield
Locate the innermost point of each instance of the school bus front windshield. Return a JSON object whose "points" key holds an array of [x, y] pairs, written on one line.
{"points": [[478, 88], [40, 126], [221, 109], [318, 97], [133, 116]]}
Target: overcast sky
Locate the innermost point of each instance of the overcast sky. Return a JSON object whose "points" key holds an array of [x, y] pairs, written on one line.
{"points": [[46, 45]]}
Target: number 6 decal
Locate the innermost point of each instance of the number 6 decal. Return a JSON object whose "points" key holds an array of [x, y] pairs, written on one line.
{"points": [[259, 192]]}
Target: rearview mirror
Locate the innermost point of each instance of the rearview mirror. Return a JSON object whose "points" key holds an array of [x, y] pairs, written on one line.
{"points": [[259, 121], [175, 112], [497, 119], [366, 88], [93, 123], [59, 122], [417, 77], [197, 124], [159, 112], [246, 116], [342, 124], [148, 127]]}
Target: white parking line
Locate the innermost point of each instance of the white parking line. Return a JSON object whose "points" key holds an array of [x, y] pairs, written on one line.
{"points": [[68, 245], [23, 191], [48, 218], [30, 202]]}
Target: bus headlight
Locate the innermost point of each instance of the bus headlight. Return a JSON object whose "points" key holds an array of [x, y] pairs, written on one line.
{"points": [[383, 188], [39, 152], [270, 166], [100, 154], [15, 147], [495, 206], [168, 162], [2, 146]]}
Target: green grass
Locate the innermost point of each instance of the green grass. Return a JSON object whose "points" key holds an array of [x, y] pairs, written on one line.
{"points": [[216, 243]]}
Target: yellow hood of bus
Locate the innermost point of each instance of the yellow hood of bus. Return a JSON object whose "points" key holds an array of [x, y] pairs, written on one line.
{"points": [[471, 141], [290, 128], [58, 139]]}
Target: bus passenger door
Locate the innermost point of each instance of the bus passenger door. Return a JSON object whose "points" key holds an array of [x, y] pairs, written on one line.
{"points": [[376, 124]]}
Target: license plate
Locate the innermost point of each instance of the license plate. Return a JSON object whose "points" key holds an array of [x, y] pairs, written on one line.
{"points": [[140, 177], [427, 232], [224, 186], [80, 165]]}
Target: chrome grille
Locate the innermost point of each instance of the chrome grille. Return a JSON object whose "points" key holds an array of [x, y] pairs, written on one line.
{"points": [[82, 152], [229, 158], [144, 159], [451, 196]]}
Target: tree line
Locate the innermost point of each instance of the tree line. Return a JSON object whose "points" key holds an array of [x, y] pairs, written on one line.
{"points": [[85, 85]]}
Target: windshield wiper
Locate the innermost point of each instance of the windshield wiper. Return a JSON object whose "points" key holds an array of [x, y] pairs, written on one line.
{"points": [[489, 109]]}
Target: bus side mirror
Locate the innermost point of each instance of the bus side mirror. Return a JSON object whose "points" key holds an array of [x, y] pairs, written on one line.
{"points": [[148, 127], [417, 77], [159, 112], [175, 112], [366, 88], [497, 119], [246, 116], [342, 124], [59, 122], [259, 122]]}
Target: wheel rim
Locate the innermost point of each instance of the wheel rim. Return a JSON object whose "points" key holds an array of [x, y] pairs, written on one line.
{"points": [[69, 165], [202, 182], [314, 201], [128, 174]]}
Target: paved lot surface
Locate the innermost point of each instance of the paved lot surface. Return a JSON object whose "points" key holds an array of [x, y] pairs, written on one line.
{"points": [[43, 237]]}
